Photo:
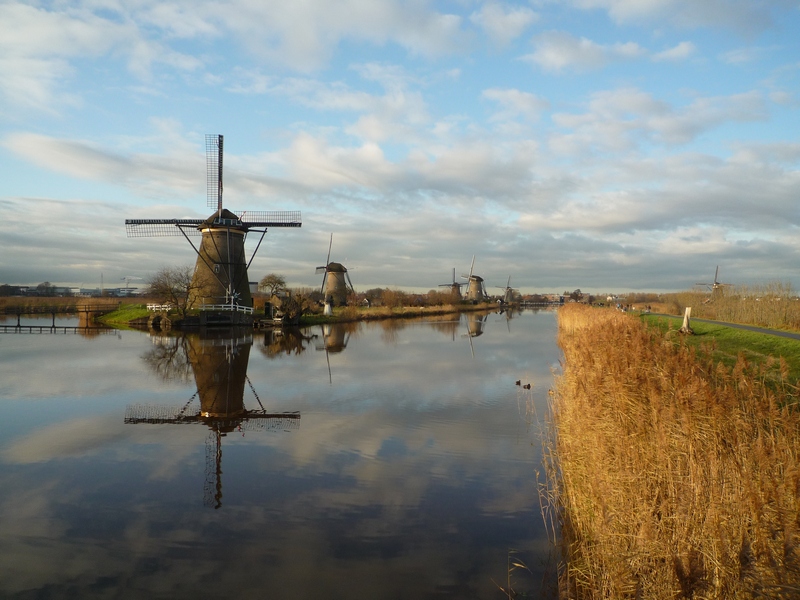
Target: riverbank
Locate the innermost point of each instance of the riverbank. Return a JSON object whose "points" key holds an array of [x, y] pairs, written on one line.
{"points": [[671, 476], [138, 315]]}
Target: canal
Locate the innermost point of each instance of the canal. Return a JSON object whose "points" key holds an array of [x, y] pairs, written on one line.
{"points": [[393, 459]]}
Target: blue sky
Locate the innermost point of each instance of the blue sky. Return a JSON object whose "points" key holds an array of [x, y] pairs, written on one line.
{"points": [[607, 145]]}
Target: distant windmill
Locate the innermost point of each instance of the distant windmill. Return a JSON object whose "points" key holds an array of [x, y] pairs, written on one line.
{"points": [[476, 292], [336, 284], [455, 286], [716, 285], [220, 279], [508, 294]]}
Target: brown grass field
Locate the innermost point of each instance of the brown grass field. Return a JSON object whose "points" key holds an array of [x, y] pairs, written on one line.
{"points": [[669, 476], [774, 305]]}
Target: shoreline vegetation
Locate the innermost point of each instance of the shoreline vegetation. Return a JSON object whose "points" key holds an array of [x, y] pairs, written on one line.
{"points": [[670, 475], [131, 311]]}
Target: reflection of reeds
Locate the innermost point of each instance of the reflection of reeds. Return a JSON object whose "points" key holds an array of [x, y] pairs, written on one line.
{"points": [[672, 478]]}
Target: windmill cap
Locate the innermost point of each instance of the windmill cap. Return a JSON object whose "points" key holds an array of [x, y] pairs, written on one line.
{"points": [[224, 215], [335, 267]]}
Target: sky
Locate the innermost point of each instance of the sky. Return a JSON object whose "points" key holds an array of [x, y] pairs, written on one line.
{"points": [[605, 145]]}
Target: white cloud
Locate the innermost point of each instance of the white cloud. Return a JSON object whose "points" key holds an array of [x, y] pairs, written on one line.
{"points": [[37, 46], [680, 52], [743, 15], [557, 51], [740, 56], [620, 120], [503, 23], [303, 35], [515, 103]]}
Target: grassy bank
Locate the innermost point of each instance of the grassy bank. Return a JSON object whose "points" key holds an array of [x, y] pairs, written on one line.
{"points": [[129, 312], [780, 356], [362, 313], [125, 314], [672, 476]]}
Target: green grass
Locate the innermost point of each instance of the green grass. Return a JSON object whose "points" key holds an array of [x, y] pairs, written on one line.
{"points": [[724, 344], [125, 314]]}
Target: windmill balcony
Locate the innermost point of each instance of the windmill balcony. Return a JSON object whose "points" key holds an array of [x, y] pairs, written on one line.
{"points": [[227, 308]]}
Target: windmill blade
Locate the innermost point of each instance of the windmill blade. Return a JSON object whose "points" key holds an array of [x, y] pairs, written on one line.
{"points": [[214, 171], [350, 283], [179, 227], [162, 227], [324, 279], [716, 276], [330, 245], [270, 218], [469, 277]]}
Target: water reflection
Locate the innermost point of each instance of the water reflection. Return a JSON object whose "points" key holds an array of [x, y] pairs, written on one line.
{"points": [[284, 342], [411, 477], [218, 360]]}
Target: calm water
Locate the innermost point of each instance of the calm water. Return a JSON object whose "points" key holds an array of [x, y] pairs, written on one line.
{"points": [[384, 460]]}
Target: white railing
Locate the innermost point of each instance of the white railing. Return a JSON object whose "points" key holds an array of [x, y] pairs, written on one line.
{"points": [[228, 307], [159, 307]]}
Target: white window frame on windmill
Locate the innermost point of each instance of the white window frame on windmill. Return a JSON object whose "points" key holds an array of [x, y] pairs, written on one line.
{"points": [[216, 268]]}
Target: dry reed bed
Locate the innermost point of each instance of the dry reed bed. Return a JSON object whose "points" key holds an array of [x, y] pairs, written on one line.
{"points": [[771, 305], [671, 478]]}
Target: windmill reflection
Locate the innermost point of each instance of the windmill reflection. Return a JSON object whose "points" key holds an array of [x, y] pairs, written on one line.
{"points": [[475, 323], [218, 361], [334, 340], [284, 341]]}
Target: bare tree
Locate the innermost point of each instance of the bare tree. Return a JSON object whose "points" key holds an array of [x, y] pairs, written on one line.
{"points": [[173, 285], [272, 284]]}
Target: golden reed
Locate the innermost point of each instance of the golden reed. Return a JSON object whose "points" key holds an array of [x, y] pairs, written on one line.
{"points": [[671, 477]]}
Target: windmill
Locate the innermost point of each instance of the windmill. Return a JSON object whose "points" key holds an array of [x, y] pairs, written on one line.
{"points": [[716, 285], [219, 365], [476, 292], [508, 294], [455, 286], [220, 281], [336, 282]]}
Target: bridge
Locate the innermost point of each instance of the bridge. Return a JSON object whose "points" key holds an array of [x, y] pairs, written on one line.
{"points": [[82, 310], [63, 329]]}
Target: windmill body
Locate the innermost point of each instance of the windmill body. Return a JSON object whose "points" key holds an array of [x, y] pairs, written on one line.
{"points": [[336, 284], [220, 284], [508, 293], [475, 289], [455, 286], [220, 273], [476, 292]]}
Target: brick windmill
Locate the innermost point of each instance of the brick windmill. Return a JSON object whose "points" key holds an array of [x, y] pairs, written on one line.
{"points": [[220, 284]]}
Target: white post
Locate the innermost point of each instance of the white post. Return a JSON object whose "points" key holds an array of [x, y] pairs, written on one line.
{"points": [[686, 328]]}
